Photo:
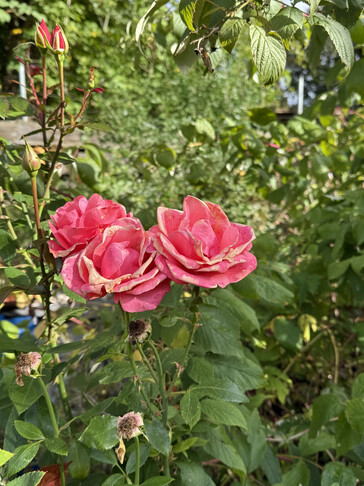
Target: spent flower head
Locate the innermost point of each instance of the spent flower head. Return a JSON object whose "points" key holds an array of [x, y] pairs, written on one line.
{"points": [[129, 425], [139, 330], [27, 362]]}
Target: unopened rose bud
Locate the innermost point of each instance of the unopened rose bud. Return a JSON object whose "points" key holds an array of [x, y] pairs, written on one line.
{"points": [[30, 161], [138, 331], [59, 41], [27, 363], [91, 79], [129, 425], [42, 36]]}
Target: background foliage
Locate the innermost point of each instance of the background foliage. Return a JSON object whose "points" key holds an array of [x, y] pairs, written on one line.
{"points": [[290, 337]]}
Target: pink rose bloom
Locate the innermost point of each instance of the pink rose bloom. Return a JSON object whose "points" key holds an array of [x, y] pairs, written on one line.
{"points": [[79, 221], [200, 246], [118, 261]]}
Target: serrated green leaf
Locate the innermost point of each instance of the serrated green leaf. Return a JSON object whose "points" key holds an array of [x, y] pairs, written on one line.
{"points": [[157, 481], [223, 413], [226, 453], [299, 475], [114, 480], [7, 246], [5, 456], [143, 453], [355, 414], [24, 396], [324, 408], [29, 479], [17, 277], [23, 455], [56, 445], [28, 430], [190, 408], [321, 442], [158, 436], [101, 127], [340, 37], [100, 432], [80, 457], [67, 314], [4, 107], [199, 369], [337, 473], [230, 32], [287, 21], [358, 386], [193, 474], [220, 389], [268, 53]]}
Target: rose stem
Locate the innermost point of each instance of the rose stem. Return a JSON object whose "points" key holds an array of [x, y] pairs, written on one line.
{"points": [[146, 362], [137, 461], [54, 424], [162, 384], [44, 100]]}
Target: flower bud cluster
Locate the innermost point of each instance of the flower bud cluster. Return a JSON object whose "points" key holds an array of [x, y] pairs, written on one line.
{"points": [[56, 42]]}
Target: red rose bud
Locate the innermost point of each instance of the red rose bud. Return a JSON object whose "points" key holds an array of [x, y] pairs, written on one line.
{"points": [[59, 41], [30, 161], [42, 36]]}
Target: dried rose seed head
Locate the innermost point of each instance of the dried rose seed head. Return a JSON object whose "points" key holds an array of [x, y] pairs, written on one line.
{"points": [[128, 425], [138, 331], [26, 363]]}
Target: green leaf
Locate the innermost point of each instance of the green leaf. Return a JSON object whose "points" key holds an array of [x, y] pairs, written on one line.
{"points": [[340, 37], [4, 107], [220, 331], [220, 389], [358, 386], [25, 344], [7, 247], [56, 445], [226, 299], [287, 21], [144, 453], [199, 369], [67, 314], [336, 269], [73, 296], [299, 475], [100, 433], [190, 408], [80, 457], [287, 334], [268, 53], [226, 453], [158, 436], [324, 408], [246, 374], [187, 11], [223, 413], [24, 396], [23, 455], [5, 456], [271, 466], [156, 5], [101, 127], [230, 32], [321, 442], [114, 480], [337, 473], [28, 430], [157, 481], [355, 414], [29, 479], [186, 444], [313, 6], [193, 474], [346, 437], [17, 277], [204, 127], [271, 291]]}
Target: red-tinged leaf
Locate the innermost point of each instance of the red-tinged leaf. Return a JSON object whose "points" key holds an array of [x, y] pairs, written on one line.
{"points": [[97, 90], [53, 475]]}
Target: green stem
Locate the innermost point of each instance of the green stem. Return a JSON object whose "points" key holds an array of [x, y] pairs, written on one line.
{"points": [[146, 362], [54, 425], [133, 365], [61, 80], [185, 356], [44, 100], [162, 384], [137, 462]]}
